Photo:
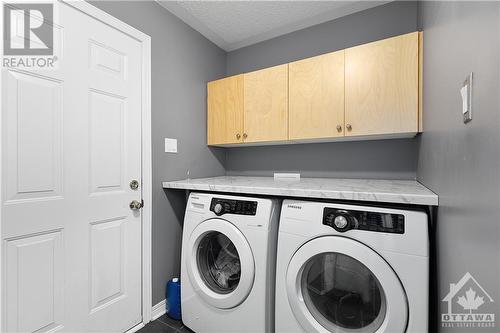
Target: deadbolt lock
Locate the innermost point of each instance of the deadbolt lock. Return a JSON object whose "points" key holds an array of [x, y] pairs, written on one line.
{"points": [[134, 184]]}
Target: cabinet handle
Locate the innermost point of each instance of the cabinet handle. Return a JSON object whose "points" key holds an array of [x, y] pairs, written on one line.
{"points": [[349, 127], [339, 128], [245, 135], [238, 136]]}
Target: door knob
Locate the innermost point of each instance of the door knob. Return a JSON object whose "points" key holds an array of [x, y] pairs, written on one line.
{"points": [[238, 136], [135, 205], [339, 128], [245, 135], [349, 127]]}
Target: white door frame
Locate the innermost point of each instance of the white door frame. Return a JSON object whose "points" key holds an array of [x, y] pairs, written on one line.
{"points": [[146, 169]]}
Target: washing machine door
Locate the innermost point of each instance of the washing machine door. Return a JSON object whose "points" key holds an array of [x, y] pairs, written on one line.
{"points": [[220, 263], [337, 284]]}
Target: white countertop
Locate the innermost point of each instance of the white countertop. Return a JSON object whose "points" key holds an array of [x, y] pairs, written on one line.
{"points": [[392, 191]]}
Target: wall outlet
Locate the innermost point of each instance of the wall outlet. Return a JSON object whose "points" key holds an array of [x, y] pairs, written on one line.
{"points": [[170, 145]]}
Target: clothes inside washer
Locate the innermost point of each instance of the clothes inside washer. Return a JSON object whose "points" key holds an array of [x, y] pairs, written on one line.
{"points": [[227, 263], [219, 262]]}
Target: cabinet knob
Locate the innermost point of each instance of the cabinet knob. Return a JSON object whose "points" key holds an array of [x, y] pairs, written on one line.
{"points": [[339, 128], [245, 135], [238, 136], [349, 127]]}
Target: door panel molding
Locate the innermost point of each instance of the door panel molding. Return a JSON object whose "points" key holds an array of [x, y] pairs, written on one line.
{"points": [[107, 126], [27, 124], [108, 287], [35, 261]]}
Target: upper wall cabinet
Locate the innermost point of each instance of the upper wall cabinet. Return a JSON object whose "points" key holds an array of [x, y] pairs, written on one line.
{"points": [[368, 91], [316, 94], [266, 105], [225, 111], [381, 87]]}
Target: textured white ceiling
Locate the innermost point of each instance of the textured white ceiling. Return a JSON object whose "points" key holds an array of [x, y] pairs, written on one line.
{"points": [[233, 24]]}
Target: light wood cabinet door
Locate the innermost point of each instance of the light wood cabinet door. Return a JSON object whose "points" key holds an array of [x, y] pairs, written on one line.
{"points": [[316, 94], [381, 87], [225, 110], [266, 104]]}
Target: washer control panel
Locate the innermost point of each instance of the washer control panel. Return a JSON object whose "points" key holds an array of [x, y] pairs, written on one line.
{"points": [[227, 206], [344, 220]]}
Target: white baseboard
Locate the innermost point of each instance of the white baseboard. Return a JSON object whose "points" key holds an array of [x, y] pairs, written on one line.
{"points": [[135, 328], [158, 310]]}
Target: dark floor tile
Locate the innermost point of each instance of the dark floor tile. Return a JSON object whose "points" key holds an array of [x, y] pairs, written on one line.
{"points": [[157, 327], [170, 322], [184, 329]]}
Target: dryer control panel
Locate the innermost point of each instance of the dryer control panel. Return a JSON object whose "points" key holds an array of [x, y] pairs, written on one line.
{"points": [[344, 220], [227, 206]]}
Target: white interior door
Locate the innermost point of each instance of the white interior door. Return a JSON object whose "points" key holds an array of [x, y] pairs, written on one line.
{"points": [[71, 144]]}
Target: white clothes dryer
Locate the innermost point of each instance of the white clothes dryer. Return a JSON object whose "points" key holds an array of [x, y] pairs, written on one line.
{"points": [[347, 268]]}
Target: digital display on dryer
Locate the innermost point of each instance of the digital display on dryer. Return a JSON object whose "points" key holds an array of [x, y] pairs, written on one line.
{"points": [[343, 220]]}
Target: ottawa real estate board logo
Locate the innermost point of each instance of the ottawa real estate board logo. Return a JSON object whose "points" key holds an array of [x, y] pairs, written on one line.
{"points": [[28, 35], [468, 305]]}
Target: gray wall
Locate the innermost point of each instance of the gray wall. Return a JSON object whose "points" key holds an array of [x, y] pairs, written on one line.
{"points": [[388, 159], [182, 62], [461, 162], [396, 159]]}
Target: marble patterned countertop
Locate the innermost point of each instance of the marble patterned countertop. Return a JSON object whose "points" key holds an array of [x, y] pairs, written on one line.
{"points": [[389, 191]]}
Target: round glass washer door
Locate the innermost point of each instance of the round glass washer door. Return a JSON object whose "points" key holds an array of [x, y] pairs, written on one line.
{"points": [[337, 284], [221, 266]]}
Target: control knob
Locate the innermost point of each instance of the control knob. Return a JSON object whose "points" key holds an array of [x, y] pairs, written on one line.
{"points": [[218, 209], [340, 222]]}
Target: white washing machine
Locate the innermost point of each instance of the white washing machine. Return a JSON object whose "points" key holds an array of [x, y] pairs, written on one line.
{"points": [[347, 268], [228, 263]]}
